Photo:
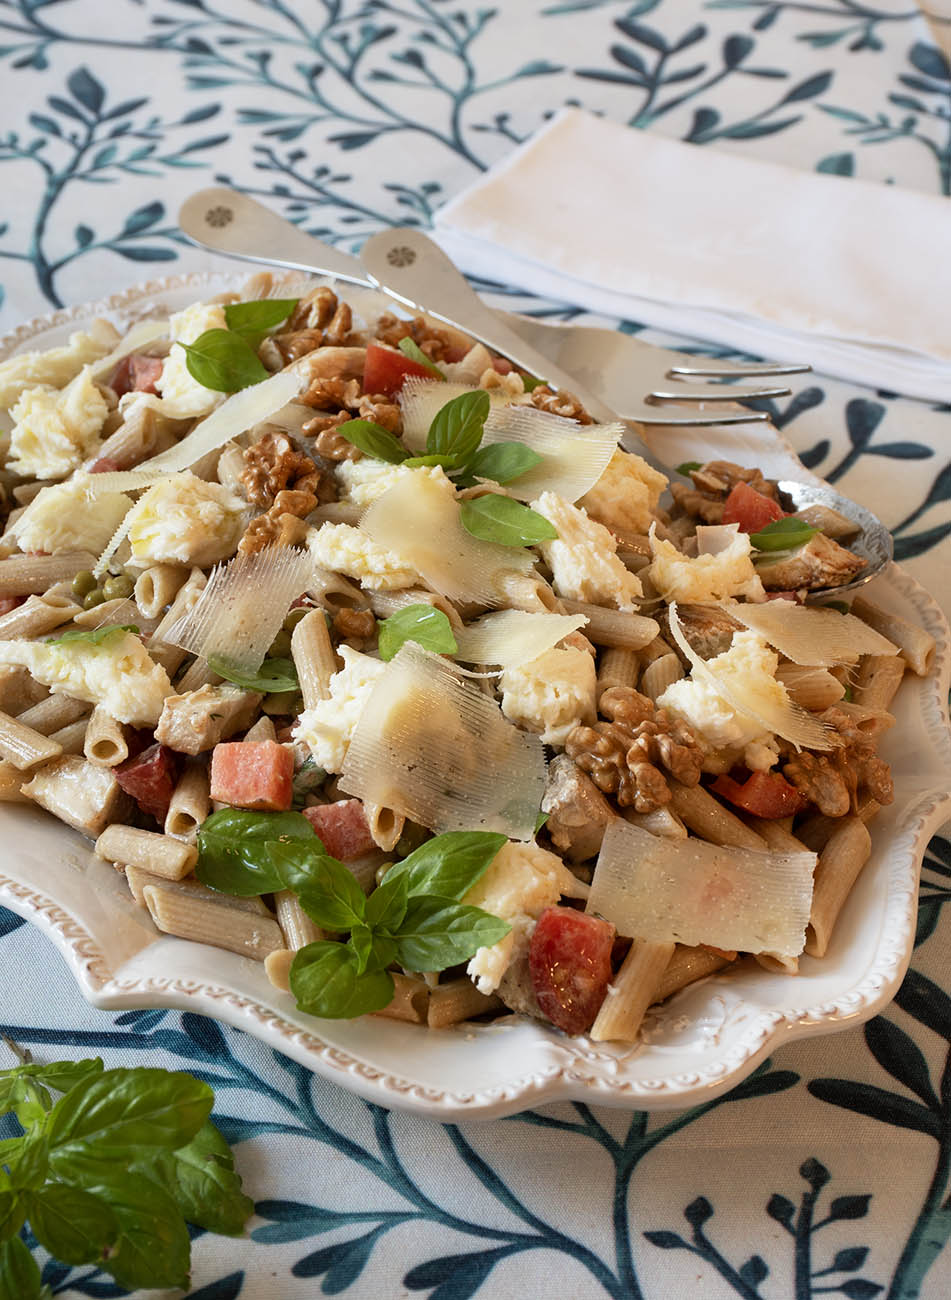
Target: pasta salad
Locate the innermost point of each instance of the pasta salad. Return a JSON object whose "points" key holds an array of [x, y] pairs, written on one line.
{"points": [[364, 655]]}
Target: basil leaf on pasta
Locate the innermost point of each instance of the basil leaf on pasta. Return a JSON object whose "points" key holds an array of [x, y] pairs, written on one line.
{"points": [[427, 626], [374, 440], [457, 427], [223, 361], [499, 519], [252, 320], [411, 349], [503, 461]]}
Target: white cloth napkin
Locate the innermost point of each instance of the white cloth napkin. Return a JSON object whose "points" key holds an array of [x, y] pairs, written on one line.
{"points": [[850, 276]]}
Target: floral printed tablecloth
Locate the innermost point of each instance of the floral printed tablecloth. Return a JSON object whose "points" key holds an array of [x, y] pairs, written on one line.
{"points": [[829, 1170]]}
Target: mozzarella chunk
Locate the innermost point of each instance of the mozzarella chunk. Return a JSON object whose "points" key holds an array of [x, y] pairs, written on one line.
{"points": [[328, 727], [583, 560], [749, 669], [364, 481], [706, 577], [57, 366], [70, 517], [345, 549], [626, 494], [182, 396], [520, 883], [54, 432], [117, 674], [184, 520], [551, 694]]}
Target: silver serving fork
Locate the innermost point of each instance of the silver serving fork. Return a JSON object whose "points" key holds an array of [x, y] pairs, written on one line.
{"points": [[632, 376]]}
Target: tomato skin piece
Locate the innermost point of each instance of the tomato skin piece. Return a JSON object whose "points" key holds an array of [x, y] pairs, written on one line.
{"points": [[386, 369], [764, 794], [751, 509], [570, 964]]}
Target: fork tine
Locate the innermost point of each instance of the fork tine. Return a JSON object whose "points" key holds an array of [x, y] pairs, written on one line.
{"points": [[717, 393], [681, 419], [737, 369]]}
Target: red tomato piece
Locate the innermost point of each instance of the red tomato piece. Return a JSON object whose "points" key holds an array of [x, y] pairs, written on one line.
{"points": [[502, 366], [764, 794], [343, 828], [570, 965], [150, 779], [136, 374], [750, 509], [386, 369], [253, 774]]}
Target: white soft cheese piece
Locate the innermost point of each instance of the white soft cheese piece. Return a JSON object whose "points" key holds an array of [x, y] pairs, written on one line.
{"points": [[54, 432], [55, 367], [68, 517], [522, 880], [183, 397], [345, 549], [184, 520], [511, 637], [626, 494], [707, 577], [551, 694], [364, 481], [748, 667], [327, 728], [583, 560], [687, 891], [117, 674]]}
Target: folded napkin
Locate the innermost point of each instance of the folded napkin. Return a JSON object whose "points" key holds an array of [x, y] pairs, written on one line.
{"points": [[850, 276]]}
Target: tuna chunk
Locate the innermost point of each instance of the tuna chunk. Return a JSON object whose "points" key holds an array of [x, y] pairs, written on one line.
{"points": [[81, 794], [820, 563], [578, 813], [196, 721]]}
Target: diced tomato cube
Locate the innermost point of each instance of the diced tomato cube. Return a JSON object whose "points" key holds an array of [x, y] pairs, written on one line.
{"points": [[750, 509], [136, 374], [386, 369], [253, 774], [764, 794], [570, 964], [150, 779], [342, 828]]}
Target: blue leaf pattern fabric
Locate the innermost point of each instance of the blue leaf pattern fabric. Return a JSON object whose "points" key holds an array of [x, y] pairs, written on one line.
{"points": [[828, 1171]]}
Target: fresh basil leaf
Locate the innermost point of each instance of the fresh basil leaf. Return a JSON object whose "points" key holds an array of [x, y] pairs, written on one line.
{"points": [[327, 891], [456, 429], [308, 778], [73, 1225], [92, 635], [153, 1248], [20, 1277], [386, 906], [411, 349], [439, 932], [427, 626], [503, 461], [12, 1214], [427, 462], [28, 1100], [252, 320], [326, 982], [783, 535], [839, 606], [62, 1075], [273, 677], [29, 1164], [223, 361], [540, 821], [494, 518], [449, 864], [530, 382], [361, 941], [233, 844], [689, 465], [374, 440], [206, 1187]]}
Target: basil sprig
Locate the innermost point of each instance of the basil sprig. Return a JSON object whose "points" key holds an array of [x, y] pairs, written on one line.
{"points": [[499, 519], [111, 1172], [502, 461], [783, 534], [92, 635], [252, 320], [411, 349], [224, 361], [414, 917], [427, 626], [688, 466], [374, 440], [273, 677]]}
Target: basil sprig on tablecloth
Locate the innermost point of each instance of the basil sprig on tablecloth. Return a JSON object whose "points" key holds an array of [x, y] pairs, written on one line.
{"points": [[414, 918], [111, 1173], [226, 360]]}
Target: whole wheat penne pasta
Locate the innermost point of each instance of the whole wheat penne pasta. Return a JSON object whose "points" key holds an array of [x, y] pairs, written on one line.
{"points": [[456, 1000], [614, 627], [143, 433], [846, 852], [529, 592], [204, 921], [332, 591], [11, 784], [105, 739], [655, 649], [816, 830], [19, 690], [386, 825], [706, 817], [632, 991], [23, 746], [777, 836], [337, 512], [314, 657], [172, 656], [23, 575], [878, 679], [54, 712], [37, 615], [410, 1000], [659, 674], [160, 854], [139, 879], [198, 674], [915, 645], [71, 738], [190, 802], [872, 722], [686, 966], [297, 927], [659, 822], [157, 586], [263, 729], [814, 689], [277, 967], [230, 467], [617, 667], [118, 612], [777, 962]]}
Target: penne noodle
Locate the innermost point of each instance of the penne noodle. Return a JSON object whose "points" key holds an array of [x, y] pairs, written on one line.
{"points": [[195, 676], [686, 966], [23, 575], [37, 615], [19, 690], [171, 657], [190, 803], [277, 967], [915, 645], [614, 627], [139, 879], [777, 962], [708, 818], [814, 689], [54, 712], [386, 825], [71, 738], [105, 741], [617, 667], [530, 592], [659, 822], [816, 830], [659, 674], [410, 1000], [777, 836], [11, 784], [159, 854], [631, 992], [157, 586], [456, 1000], [846, 852], [333, 592], [24, 747], [655, 649], [314, 657], [263, 729], [204, 921], [297, 927], [385, 603], [878, 679]]}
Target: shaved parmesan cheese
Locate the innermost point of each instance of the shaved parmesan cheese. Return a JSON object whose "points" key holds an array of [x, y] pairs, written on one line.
{"points": [[773, 711], [241, 610], [574, 456], [420, 399], [512, 637], [434, 748], [417, 520], [691, 892], [809, 635]]}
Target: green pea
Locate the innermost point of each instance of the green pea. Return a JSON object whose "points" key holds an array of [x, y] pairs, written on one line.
{"points": [[83, 583], [93, 598], [119, 587], [294, 617], [280, 647]]}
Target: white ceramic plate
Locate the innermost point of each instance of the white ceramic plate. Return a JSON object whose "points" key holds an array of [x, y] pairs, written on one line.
{"points": [[703, 1042]]}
